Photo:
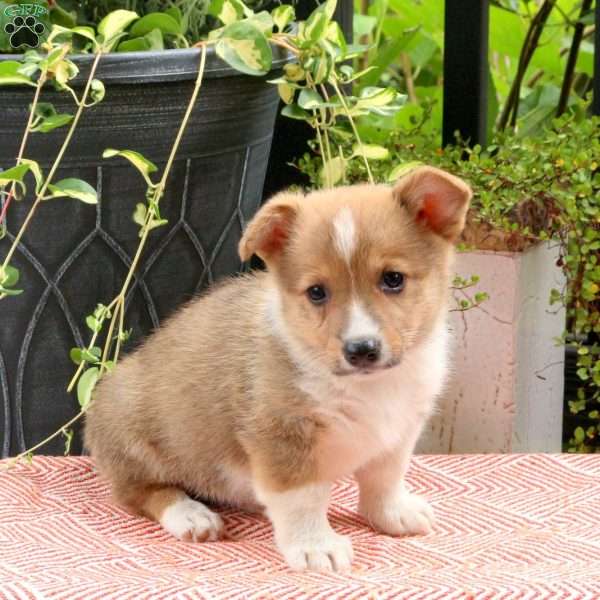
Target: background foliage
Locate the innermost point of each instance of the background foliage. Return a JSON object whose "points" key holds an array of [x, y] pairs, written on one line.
{"points": [[407, 39]]}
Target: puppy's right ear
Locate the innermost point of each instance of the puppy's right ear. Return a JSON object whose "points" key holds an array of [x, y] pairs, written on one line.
{"points": [[269, 230]]}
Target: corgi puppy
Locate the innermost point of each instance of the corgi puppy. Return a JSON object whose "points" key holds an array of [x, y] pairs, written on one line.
{"points": [[270, 387]]}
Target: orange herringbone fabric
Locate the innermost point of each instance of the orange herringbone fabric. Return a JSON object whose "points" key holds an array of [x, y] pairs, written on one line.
{"points": [[517, 526]]}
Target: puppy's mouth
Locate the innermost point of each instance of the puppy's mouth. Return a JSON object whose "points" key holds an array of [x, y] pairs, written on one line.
{"points": [[373, 370]]}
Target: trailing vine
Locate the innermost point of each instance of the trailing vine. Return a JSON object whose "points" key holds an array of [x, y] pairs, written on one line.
{"points": [[311, 87]]}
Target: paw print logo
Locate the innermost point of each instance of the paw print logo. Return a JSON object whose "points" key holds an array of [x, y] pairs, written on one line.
{"points": [[25, 31]]}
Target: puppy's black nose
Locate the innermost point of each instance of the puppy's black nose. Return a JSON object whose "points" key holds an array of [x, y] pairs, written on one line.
{"points": [[362, 352]]}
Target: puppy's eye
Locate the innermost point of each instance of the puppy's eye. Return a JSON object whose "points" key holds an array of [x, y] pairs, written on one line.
{"points": [[392, 282], [317, 294]]}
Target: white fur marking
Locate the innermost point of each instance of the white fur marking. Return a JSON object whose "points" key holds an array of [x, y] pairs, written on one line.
{"points": [[189, 520], [360, 323], [302, 532], [345, 233]]}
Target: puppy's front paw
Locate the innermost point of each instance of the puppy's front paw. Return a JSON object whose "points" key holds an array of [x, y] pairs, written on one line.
{"points": [[328, 551], [404, 514], [191, 521]]}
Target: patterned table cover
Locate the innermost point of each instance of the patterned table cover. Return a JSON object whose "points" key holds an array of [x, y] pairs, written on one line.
{"points": [[511, 526]]}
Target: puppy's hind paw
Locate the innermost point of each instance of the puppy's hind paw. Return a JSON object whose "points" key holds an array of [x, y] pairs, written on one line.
{"points": [[191, 521]]}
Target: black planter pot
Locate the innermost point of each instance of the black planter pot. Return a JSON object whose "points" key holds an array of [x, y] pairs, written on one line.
{"points": [[75, 255]]}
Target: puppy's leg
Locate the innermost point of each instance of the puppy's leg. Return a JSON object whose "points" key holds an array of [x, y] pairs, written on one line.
{"points": [[384, 500], [302, 531], [186, 519]]}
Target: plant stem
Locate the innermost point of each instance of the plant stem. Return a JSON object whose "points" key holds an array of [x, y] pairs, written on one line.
{"points": [[326, 165], [119, 301], [339, 92], [532, 38], [567, 82], [56, 163], [325, 133], [408, 77], [90, 346], [39, 445], [40, 83]]}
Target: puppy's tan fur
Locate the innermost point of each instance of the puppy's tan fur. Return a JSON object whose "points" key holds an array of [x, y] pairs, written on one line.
{"points": [[244, 396]]}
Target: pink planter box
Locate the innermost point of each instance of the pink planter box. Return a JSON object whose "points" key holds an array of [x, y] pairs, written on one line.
{"points": [[505, 393]]}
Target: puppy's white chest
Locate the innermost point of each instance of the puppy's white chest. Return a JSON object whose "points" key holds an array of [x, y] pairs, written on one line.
{"points": [[365, 421], [372, 415]]}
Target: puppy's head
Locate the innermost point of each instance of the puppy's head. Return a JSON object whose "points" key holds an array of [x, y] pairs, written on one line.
{"points": [[360, 273]]}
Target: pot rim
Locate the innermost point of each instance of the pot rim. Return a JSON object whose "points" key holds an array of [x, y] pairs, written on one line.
{"points": [[147, 66]]}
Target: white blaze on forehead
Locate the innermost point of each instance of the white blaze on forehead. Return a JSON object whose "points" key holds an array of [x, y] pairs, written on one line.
{"points": [[360, 323], [345, 233]]}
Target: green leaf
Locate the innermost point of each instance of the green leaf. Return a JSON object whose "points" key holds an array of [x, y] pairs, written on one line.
{"points": [[85, 386], [387, 54], [155, 40], [156, 223], [376, 96], [363, 25], [64, 71], [315, 26], [86, 32], [140, 44], [321, 68], [332, 171], [263, 22], [286, 92], [161, 21], [9, 276], [68, 434], [335, 35], [310, 100], [370, 151], [97, 91], [283, 15], [52, 122], [176, 13], [245, 48], [35, 169], [10, 75], [94, 324], [293, 111], [115, 23], [229, 11], [75, 355], [59, 16], [9, 291], [139, 215], [318, 20], [91, 355], [348, 74], [294, 72], [53, 58], [579, 435], [74, 188], [142, 164], [15, 174], [402, 169]]}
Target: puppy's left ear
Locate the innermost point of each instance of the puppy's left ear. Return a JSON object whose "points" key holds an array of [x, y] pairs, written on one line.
{"points": [[269, 231], [436, 199]]}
